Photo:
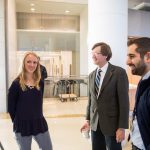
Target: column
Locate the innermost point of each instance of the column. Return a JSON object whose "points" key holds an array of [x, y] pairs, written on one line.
{"points": [[2, 59], [83, 49], [83, 42], [107, 22], [7, 66], [11, 42]]}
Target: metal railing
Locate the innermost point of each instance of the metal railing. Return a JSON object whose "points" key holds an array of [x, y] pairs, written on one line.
{"points": [[55, 85]]}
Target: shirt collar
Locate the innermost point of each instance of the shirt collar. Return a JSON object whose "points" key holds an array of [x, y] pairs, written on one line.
{"points": [[104, 68], [146, 76]]}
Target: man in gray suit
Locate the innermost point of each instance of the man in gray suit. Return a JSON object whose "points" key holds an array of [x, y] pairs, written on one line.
{"points": [[108, 107]]}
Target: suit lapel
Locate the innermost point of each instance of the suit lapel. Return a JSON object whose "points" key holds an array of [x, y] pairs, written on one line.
{"points": [[93, 81], [107, 77]]}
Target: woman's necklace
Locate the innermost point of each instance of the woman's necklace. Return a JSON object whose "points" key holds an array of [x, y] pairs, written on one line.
{"points": [[30, 86]]}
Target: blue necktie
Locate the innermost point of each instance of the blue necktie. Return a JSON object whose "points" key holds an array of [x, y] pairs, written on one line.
{"points": [[97, 81]]}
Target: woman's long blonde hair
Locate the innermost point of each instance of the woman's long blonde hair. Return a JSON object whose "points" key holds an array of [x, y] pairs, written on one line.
{"points": [[36, 74]]}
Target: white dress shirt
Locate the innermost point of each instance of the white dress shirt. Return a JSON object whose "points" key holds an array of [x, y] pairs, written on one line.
{"points": [[135, 134], [103, 72]]}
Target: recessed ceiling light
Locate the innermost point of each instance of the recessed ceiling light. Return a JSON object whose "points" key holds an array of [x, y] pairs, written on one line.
{"points": [[32, 9], [67, 11], [32, 4]]}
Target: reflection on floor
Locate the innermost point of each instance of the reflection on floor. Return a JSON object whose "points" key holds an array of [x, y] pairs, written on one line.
{"points": [[64, 121]]}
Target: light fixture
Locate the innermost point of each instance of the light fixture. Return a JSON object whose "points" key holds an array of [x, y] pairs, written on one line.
{"points": [[32, 4], [32, 9], [142, 6], [67, 11]]}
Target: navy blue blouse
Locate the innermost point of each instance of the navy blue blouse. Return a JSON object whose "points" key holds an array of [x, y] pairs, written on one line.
{"points": [[26, 109]]}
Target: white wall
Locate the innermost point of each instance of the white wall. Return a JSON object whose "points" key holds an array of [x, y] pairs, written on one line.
{"points": [[138, 23]]}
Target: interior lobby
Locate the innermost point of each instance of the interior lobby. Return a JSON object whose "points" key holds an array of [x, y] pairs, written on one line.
{"points": [[62, 33]]}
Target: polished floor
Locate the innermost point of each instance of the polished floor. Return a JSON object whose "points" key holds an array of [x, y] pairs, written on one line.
{"points": [[64, 121]]}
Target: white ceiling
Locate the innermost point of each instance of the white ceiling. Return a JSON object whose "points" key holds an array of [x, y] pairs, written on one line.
{"points": [[59, 6], [52, 7]]}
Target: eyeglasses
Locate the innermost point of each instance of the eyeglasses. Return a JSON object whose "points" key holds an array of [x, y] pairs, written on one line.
{"points": [[96, 53]]}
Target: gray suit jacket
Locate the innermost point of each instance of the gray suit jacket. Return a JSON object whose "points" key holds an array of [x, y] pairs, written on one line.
{"points": [[111, 108]]}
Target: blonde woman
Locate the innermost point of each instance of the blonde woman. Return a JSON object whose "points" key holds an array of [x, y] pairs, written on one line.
{"points": [[25, 100]]}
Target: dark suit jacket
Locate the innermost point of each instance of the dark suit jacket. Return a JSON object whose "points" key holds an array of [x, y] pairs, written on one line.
{"points": [[142, 107], [43, 72], [111, 108]]}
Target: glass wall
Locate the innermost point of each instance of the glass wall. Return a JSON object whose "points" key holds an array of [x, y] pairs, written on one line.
{"points": [[54, 37]]}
